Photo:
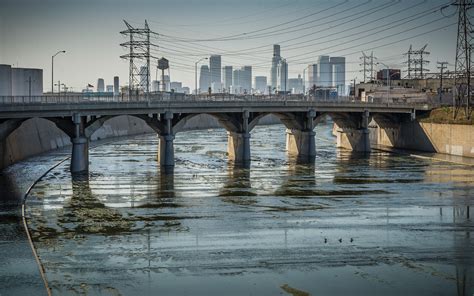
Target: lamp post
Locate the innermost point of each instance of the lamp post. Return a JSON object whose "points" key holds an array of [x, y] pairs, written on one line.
{"points": [[196, 75], [52, 69]]}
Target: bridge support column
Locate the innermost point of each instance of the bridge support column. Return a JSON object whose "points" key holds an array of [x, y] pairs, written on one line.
{"points": [[238, 143], [166, 151], [357, 140], [80, 146], [166, 146], [301, 144], [238, 148]]}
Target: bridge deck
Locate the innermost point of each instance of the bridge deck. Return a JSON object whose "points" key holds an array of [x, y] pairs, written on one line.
{"points": [[58, 106]]}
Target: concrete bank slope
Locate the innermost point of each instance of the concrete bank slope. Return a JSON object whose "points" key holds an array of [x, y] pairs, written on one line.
{"points": [[452, 139], [36, 136]]}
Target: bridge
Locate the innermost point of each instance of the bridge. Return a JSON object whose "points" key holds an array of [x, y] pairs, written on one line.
{"points": [[80, 116]]}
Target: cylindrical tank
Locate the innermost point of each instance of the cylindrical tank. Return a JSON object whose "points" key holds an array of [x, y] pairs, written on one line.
{"points": [[26, 81]]}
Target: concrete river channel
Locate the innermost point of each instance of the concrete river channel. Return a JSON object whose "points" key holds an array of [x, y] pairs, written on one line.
{"points": [[351, 224]]}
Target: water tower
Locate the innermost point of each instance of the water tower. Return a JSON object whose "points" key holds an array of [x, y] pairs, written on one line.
{"points": [[163, 64]]}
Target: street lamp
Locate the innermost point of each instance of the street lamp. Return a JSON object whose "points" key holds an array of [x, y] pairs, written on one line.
{"points": [[52, 69], [196, 75]]}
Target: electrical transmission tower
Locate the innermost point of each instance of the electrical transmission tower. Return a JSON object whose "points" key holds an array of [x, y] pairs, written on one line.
{"points": [[139, 57], [416, 63], [462, 80], [368, 64]]}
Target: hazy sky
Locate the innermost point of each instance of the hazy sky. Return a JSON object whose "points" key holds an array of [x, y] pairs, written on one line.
{"points": [[242, 31]]}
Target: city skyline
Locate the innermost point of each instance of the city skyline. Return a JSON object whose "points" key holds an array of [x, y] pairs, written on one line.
{"points": [[89, 32]]}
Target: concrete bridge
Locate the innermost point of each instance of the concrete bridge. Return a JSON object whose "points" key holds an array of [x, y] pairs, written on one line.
{"points": [[80, 116]]}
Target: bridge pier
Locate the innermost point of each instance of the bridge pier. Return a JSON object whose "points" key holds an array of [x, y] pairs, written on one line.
{"points": [[238, 148], [355, 139], [166, 145], [238, 143], [80, 146], [301, 144]]}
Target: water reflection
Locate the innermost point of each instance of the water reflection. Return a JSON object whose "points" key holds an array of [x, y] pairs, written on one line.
{"points": [[237, 188], [84, 212]]}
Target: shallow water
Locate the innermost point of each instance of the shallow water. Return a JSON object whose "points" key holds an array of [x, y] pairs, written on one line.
{"points": [[349, 224]]}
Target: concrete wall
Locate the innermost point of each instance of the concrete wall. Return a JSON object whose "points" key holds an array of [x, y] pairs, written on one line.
{"points": [[21, 78], [430, 137], [37, 136]]}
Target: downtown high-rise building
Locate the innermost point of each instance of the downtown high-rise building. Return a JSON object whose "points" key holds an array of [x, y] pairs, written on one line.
{"points": [[215, 73], [295, 85], [227, 78], [282, 76], [274, 70], [312, 76], [204, 79], [100, 85], [260, 84], [338, 65], [246, 79], [324, 72]]}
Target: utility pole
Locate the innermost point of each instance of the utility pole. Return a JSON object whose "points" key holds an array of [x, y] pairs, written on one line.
{"points": [[441, 67], [462, 78]]}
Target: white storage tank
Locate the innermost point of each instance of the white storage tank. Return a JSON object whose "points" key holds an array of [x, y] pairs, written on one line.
{"points": [[26, 82]]}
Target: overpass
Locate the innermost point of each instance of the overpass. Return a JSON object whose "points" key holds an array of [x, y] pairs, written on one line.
{"points": [[80, 116]]}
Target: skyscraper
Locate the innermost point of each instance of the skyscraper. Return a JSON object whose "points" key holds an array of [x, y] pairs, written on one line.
{"points": [[338, 65], [236, 87], [227, 78], [282, 76], [324, 71], [246, 79], [215, 71], [116, 86], [260, 84], [295, 85], [312, 76], [204, 79], [100, 85], [275, 60]]}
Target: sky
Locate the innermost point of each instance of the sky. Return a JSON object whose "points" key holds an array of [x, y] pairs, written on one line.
{"points": [[242, 31]]}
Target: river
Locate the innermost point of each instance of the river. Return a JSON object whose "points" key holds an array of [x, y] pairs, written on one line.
{"points": [[351, 224]]}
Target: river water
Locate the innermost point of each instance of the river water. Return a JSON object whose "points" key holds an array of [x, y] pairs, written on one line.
{"points": [[351, 224]]}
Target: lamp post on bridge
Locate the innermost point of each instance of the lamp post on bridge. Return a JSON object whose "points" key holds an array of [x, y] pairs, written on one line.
{"points": [[196, 75], [52, 69]]}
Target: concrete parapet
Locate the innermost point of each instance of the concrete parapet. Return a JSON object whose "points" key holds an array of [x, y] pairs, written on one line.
{"points": [[301, 144], [238, 148]]}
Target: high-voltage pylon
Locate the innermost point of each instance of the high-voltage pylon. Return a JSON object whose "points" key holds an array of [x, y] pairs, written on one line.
{"points": [[368, 66], [462, 80], [416, 62], [139, 57]]}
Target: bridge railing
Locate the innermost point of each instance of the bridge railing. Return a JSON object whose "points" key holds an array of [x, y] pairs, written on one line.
{"points": [[179, 98]]}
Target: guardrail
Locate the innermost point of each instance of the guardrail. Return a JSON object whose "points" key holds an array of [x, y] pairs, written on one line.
{"points": [[180, 98]]}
